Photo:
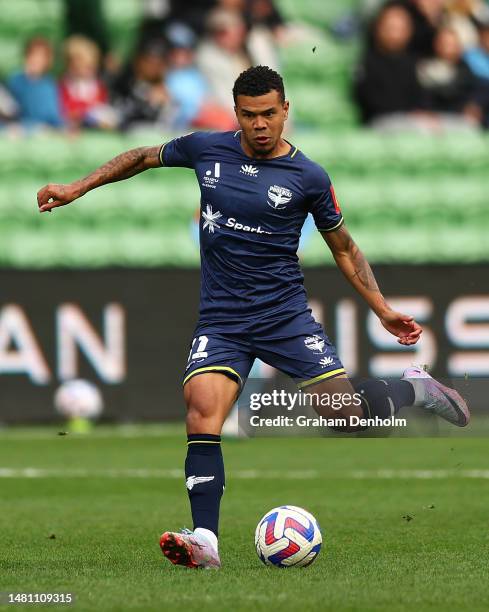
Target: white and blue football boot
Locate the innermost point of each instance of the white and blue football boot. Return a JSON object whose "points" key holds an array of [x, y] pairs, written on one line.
{"points": [[434, 397]]}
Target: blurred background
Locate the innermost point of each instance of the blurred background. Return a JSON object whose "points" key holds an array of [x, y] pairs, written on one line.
{"points": [[392, 98]]}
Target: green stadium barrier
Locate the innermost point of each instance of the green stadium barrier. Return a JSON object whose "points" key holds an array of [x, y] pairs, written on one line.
{"points": [[405, 199], [317, 12]]}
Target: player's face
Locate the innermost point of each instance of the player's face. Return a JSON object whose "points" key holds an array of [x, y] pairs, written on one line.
{"points": [[262, 119]]}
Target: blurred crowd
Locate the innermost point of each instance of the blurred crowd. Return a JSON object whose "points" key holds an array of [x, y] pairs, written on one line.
{"points": [[180, 73], [425, 66]]}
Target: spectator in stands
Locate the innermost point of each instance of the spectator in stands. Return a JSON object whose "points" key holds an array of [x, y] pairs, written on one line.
{"points": [[266, 29], [187, 86], [34, 89], [83, 95], [140, 95], [158, 14], [386, 83], [192, 12], [222, 55], [477, 58], [265, 12], [87, 18], [184, 81], [9, 108], [462, 17], [427, 17], [448, 82]]}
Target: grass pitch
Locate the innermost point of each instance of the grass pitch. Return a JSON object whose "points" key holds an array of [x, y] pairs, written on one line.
{"points": [[405, 521]]}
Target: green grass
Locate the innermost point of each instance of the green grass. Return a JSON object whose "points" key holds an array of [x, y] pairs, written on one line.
{"points": [[107, 519]]}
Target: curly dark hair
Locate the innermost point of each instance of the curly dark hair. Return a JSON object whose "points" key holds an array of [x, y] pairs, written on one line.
{"points": [[258, 81]]}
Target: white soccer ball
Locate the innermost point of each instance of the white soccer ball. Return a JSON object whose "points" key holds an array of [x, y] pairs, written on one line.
{"points": [[78, 399], [288, 536]]}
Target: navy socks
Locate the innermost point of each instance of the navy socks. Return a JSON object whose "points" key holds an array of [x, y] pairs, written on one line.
{"points": [[384, 398], [204, 474]]}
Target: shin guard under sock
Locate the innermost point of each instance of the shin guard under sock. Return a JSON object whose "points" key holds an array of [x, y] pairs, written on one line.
{"points": [[384, 398], [204, 474]]}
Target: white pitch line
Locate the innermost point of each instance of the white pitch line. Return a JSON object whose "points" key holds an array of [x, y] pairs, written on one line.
{"points": [[33, 472], [418, 474], [176, 474]]}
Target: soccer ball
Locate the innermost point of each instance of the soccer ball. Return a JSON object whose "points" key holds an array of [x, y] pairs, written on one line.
{"points": [[78, 399], [288, 536]]}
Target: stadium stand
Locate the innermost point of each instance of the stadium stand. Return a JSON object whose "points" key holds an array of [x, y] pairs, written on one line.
{"points": [[439, 216]]}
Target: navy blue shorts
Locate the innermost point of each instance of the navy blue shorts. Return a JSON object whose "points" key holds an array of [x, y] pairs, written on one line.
{"points": [[297, 347]]}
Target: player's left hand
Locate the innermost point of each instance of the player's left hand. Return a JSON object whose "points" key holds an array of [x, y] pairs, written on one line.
{"points": [[403, 326]]}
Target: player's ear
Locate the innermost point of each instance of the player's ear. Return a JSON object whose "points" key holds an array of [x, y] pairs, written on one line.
{"points": [[286, 108]]}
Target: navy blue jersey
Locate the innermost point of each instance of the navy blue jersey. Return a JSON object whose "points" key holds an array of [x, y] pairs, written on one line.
{"points": [[252, 212]]}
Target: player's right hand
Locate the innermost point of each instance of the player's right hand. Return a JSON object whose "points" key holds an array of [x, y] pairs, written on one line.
{"points": [[51, 196]]}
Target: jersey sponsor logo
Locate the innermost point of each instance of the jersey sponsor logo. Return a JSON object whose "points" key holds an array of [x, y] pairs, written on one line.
{"points": [[315, 344], [211, 177], [195, 480], [249, 170], [326, 361], [235, 225], [279, 196], [211, 223], [210, 219]]}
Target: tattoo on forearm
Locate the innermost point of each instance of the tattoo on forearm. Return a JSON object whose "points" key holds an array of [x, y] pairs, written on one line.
{"points": [[122, 167], [363, 271]]}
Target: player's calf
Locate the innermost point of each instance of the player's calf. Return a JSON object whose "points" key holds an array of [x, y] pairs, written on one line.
{"points": [[370, 398]]}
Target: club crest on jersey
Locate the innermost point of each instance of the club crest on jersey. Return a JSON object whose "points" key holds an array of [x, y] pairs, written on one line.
{"points": [[249, 170], [315, 344], [279, 196]]}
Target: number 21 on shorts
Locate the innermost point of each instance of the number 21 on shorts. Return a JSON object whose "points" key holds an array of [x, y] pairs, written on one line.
{"points": [[200, 344]]}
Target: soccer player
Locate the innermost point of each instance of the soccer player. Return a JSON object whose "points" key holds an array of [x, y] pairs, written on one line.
{"points": [[257, 189]]}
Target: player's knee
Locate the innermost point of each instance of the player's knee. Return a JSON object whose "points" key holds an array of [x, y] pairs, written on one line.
{"points": [[194, 420], [199, 410]]}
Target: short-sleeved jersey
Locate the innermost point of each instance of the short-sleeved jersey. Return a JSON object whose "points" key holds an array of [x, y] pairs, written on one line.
{"points": [[252, 212]]}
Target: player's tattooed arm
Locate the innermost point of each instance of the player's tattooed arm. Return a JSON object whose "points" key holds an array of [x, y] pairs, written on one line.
{"points": [[355, 267], [120, 168], [357, 270]]}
